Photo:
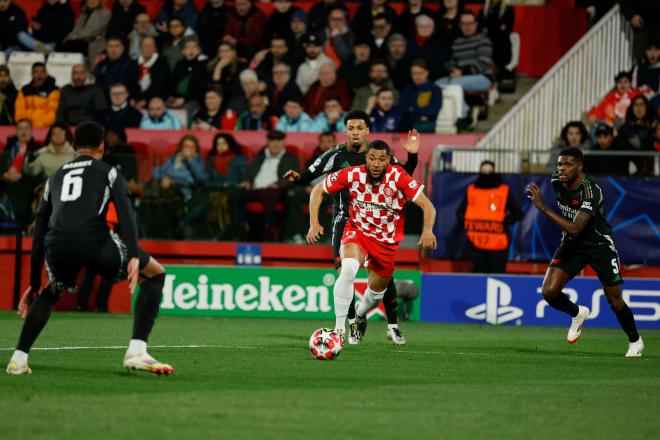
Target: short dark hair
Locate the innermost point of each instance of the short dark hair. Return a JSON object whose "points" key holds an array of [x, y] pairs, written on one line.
{"points": [[38, 64], [573, 152], [357, 114], [296, 99], [379, 145], [622, 75], [383, 90], [89, 134], [487, 162], [420, 63], [276, 135]]}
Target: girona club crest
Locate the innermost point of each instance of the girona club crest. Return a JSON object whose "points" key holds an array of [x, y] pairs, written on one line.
{"points": [[388, 192]]}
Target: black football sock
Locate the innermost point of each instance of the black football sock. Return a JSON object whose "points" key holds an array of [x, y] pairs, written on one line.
{"points": [[147, 306], [390, 303], [627, 322], [351, 309], [562, 303], [36, 319]]}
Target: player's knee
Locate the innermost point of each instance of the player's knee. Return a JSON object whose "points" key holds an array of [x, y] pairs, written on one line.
{"points": [[550, 292], [349, 267]]}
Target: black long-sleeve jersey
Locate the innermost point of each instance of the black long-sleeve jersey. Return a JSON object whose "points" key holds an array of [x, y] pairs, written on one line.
{"points": [[74, 208], [338, 157]]}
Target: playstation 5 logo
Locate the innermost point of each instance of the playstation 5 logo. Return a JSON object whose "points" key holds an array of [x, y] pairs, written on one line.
{"points": [[496, 310]]}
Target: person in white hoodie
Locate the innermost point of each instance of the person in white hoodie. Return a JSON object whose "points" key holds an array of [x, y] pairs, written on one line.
{"points": [[308, 72]]}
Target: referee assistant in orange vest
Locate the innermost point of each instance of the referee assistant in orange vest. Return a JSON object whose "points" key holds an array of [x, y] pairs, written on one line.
{"points": [[486, 212]]}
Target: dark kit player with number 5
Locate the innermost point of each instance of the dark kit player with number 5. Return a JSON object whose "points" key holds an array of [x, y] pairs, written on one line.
{"points": [[71, 233], [586, 239]]}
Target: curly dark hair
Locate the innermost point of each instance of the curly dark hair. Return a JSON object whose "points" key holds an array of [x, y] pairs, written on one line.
{"points": [[584, 134], [234, 146]]}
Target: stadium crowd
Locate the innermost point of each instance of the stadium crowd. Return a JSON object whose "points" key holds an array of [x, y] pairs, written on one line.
{"points": [[215, 66]]}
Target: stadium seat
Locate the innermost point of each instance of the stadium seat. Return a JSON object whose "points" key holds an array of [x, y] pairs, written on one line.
{"points": [[20, 66], [181, 114], [59, 66], [452, 103]]}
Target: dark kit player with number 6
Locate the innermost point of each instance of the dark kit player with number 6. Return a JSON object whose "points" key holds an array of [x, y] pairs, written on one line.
{"points": [[586, 239], [71, 233]]}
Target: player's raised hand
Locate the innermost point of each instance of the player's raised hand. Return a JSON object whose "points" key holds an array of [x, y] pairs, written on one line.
{"points": [[428, 240], [314, 233], [534, 193], [292, 176], [412, 143], [133, 274], [26, 301]]}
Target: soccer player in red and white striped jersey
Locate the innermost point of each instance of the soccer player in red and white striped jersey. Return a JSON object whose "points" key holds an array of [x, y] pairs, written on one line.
{"points": [[378, 192]]}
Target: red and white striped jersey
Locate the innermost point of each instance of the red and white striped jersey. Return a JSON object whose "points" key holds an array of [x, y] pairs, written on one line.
{"points": [[375, 210]]}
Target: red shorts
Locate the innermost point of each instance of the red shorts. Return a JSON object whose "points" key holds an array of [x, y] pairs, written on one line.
{"points": [[379, 256]]}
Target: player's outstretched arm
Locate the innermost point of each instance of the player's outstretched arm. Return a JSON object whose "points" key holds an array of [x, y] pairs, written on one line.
{"points": [[572, 228], [315, 228], [427, 239]]}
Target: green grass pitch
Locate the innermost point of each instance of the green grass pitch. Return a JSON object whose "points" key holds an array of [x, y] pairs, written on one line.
{"points": [[255, 378]]}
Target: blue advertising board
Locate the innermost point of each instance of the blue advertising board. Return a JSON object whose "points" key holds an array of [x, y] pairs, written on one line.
{"points": [[517, 300]]}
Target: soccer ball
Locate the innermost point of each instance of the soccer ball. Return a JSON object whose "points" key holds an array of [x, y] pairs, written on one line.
{"points": [[325, 344]]}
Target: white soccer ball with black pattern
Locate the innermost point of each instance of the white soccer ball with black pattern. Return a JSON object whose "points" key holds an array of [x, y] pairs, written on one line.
{"points": [[325, 344]]}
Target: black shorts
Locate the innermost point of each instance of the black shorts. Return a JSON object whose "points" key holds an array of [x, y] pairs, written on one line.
{"points": [[107, 258], [338, 224], [571, 258]]}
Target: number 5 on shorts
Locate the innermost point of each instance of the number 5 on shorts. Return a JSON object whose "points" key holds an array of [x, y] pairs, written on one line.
{"points": [[615, 265]]}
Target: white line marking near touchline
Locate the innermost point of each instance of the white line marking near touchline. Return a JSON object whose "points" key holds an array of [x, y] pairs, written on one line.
{"points": [[124, 347]]}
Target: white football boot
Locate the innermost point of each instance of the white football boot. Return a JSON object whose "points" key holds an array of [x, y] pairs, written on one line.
{"points": [[575, 330], [635, 349], [395, 335], [144, 362], [17, 369]]}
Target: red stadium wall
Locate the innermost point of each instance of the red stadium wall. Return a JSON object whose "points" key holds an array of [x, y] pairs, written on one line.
{"points": [[546, 32]]}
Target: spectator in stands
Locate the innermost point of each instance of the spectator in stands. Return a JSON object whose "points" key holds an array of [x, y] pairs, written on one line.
{"points": [[382, 29], [448, 19], [8, 94], [225, 68], [212, 115], [283, 88], [79, 101], [331, 118], [124, 13], [120, 113], [328, 85], [265, 183], [53, 22], [426, 46], [488, 201], [339, 38], [386, 117], [188, 78], [656, 136], [365, 96], [116, 67], [249, 87], [58, 151], [37, 101], [363, 22], [279, 21], [265, 59], [185, 169], [471, 60], [398, 60], [258, 117], [294, 118], [211, 24], [422, 99], [12, 22], [153, 73], [637, 133], [88, 32], [299, 32], [158, 117], [605, 165], [574, 134], [142, 27], [227, 167], [174, 41], [496, 20], [356, 69], [184, 10], [245, 28], [15, 151], [120, 155], [612, 109], [644, 16], [317, 18], [308, 72], [405, 24], [646, 75]]}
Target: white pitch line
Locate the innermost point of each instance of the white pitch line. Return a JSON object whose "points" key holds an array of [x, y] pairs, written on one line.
{"points": [[124, 347]]}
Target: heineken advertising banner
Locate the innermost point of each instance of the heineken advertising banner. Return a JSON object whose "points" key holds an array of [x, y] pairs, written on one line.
{"points": [[261, 292]]}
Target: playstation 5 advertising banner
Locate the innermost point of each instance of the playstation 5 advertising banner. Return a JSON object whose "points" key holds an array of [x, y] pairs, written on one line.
{"points": [[517, 300]]}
